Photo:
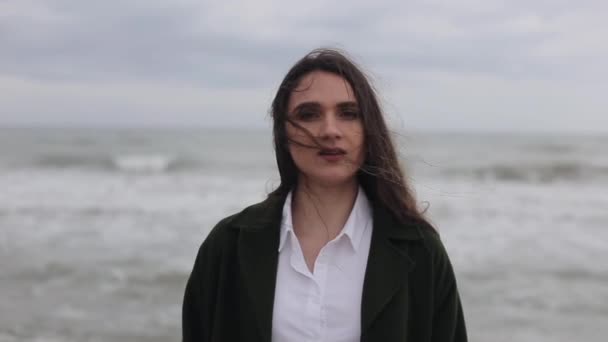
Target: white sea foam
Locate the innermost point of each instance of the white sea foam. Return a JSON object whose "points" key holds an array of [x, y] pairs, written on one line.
{"points": [[143, 163]]}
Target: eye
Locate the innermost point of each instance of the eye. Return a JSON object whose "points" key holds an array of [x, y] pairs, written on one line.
{"points": [[350, 113], [306, 115]]}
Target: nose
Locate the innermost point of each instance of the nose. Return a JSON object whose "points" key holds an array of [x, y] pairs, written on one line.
{"points": [[330, 128]]}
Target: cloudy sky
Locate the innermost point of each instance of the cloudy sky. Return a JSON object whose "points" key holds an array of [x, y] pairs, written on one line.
{"points": [[466, 65]]}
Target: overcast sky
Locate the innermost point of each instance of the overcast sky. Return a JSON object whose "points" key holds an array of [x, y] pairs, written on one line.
{"points": [[439, 65]]}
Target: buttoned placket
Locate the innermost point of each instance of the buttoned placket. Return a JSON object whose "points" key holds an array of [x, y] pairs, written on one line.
{"points": [[316, 280]]}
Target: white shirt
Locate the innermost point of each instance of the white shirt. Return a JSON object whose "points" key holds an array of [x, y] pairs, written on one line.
{"points": [[324, 305]]}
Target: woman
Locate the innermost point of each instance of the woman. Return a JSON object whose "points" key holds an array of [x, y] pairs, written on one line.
{"points": [[339, 251]]}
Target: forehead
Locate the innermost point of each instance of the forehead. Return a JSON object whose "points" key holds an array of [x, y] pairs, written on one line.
{"points": [[325, 88]]}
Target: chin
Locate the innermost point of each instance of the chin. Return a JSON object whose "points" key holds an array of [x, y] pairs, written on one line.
{"points": [[332, 179]]}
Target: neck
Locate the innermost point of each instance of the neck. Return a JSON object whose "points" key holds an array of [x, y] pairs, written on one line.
{"points": [[320, 211]]}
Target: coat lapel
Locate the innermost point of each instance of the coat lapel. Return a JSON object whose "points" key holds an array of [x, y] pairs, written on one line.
{"points": [[388, 264], [258, 258]]}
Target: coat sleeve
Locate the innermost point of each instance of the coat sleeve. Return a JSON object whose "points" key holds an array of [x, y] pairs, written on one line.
{"points": [[192, 329], [199, 295], [448, 318]]}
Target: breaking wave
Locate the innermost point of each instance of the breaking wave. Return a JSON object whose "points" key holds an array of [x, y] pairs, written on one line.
{"points": [[533, 172], [131, 163]]}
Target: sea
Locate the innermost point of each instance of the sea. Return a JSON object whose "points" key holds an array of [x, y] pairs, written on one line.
{"points": [[99, 227]]}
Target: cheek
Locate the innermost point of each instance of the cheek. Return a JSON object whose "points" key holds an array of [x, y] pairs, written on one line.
{"points": [[300, 155], [294, 151], [298, 135], [360, 159], [298, 152], [358, 141]]}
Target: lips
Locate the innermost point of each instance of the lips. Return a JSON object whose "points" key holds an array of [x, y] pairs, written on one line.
{"points": [[331, 152]]}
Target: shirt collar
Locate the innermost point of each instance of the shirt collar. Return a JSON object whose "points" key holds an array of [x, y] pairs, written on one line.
{"points": [[286, 222], [358, 221]]}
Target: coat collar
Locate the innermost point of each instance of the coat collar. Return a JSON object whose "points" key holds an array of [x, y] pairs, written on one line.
{"points": [[387, 269]]}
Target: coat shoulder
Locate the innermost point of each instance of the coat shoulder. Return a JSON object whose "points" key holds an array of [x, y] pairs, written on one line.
{"points": [[432, 241], [442, 269], [220, 231], [253, 216]]}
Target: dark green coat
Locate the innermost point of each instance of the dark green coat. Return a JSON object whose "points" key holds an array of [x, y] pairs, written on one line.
{"points": [[409, 291]]}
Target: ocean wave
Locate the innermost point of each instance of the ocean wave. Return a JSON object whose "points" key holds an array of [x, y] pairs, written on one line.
{"points": [[533, 172], [64, 161], [142, 163], [128, 163], [551, 148]]}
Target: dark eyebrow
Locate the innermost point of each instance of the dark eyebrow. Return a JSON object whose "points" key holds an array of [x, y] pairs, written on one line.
{"points": [[307, 105], [348, 105], [316, 105]]}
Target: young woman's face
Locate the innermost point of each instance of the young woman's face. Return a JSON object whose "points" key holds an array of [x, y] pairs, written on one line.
{"points": [[324, 104]]}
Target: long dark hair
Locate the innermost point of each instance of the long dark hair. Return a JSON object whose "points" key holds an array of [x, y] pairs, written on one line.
{"points": [[380, 175]]}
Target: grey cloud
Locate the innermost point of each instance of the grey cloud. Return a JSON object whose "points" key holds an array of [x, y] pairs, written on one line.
{"points": [[128, 40], [104, 42]]}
